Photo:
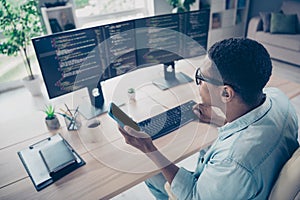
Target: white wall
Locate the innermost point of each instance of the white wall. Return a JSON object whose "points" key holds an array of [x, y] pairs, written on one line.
{"points": [[162, 7]]}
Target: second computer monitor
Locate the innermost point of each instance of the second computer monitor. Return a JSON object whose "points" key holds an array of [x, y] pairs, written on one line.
{"points": [[168, 38]]}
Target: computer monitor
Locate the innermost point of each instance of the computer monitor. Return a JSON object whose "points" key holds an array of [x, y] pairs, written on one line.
{"points": [[166, 38], [85, 57]]}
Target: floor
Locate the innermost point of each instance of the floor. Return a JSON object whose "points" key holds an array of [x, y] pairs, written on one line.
{"points": [[280, 69], [287, 71]]}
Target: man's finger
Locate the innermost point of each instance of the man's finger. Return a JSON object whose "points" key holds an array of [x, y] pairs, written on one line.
{"points": [[199, 106], [125, 133], [197, 113], [128, 129], [131, 131]]}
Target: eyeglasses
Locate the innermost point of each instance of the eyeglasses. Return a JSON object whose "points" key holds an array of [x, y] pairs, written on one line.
{"points": [[199, 77]]}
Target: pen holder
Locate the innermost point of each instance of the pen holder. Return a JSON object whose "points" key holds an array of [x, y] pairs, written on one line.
{"points": [[73, 123]]}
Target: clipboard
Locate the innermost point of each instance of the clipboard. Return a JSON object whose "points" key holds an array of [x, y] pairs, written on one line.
{"points": [[36, 167]]}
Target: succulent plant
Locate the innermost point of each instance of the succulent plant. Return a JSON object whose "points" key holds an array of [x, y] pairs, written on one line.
{"points": [[50, 112]]}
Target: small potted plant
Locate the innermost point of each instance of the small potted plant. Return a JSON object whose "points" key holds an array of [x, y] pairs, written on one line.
{"points": [[131, 94], [51, 119]]}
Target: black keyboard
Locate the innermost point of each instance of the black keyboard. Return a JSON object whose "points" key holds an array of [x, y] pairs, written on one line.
{"points": [[169, 120]]}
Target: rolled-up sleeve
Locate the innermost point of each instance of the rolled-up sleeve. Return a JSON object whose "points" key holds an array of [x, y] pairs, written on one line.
{"points": [[226, 180], [183, 183]]}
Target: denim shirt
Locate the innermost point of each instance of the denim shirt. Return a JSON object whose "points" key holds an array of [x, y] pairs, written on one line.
{"points": [[246, 158]]}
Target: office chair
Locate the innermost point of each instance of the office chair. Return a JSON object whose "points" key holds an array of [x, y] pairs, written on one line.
{"points": [[287, 186]]}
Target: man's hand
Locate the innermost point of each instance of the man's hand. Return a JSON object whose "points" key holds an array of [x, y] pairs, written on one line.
{"points": [[143, 142], [139, 140], [206, 114]]}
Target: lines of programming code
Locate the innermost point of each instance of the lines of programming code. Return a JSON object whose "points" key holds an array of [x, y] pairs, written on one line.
{"points": [[73, 60], [197, 30], [120, 47], [156, 39], [81, 61], [166, 38]]}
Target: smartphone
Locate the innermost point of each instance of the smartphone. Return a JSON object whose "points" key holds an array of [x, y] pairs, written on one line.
{"points": [[122, 118]]}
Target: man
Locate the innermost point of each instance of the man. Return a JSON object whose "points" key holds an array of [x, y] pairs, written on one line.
{"points": [[255, 140]]}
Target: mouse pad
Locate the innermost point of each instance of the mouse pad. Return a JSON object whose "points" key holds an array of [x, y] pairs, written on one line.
{"points": [[93, 123]]}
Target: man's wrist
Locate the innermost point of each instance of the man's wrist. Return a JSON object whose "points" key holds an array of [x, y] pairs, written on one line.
{"points": [[149, 147], [219, 121]]}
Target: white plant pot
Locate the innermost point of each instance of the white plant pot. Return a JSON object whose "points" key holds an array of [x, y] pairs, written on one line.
{"points": [[34, 86]]}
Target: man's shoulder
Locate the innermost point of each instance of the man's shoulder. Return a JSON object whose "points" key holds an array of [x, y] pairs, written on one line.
{"points": [[280, 102], [252, 143], [274, 92]]}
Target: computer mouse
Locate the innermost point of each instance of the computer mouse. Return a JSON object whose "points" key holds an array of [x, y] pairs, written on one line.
{"points": [[93, 123]]}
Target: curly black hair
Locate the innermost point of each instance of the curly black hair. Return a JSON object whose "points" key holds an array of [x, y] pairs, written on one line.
{"points": [[244, 64]]}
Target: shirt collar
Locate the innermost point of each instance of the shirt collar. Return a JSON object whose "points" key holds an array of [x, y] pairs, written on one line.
{"points": [[245, 120]]}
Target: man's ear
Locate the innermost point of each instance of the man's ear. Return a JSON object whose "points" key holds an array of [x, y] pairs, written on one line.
{"points": [[227, 93]]}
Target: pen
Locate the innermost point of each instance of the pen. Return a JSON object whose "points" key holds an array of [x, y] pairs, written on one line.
{"points": [[70, 119], [76, 111], [75, 116], [66, 116], [69, 110], [66, 113]]}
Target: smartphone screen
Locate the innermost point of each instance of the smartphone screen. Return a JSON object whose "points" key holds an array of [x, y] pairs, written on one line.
{"points": [[122, 118]]}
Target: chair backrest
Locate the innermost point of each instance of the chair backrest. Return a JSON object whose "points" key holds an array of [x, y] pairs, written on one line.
{"points": [[287, 186]]}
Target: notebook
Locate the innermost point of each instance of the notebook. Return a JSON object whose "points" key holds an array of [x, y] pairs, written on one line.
{"points": [[49, 160], [57, 156]]}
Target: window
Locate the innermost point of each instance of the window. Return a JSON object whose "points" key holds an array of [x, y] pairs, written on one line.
{"points": [[95, 12], [12, 68]]}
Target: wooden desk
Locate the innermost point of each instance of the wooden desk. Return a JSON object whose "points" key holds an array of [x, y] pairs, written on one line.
{"points": [[112, 166]]}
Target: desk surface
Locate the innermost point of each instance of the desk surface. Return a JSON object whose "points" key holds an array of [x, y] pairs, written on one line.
{"points": [[112, 166]]}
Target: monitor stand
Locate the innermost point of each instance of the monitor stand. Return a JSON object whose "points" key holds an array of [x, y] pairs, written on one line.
{"points": [[97, 106], [171, 79]]}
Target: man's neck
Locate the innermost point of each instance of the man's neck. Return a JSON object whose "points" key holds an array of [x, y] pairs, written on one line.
{"points": [[238, 108]]}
